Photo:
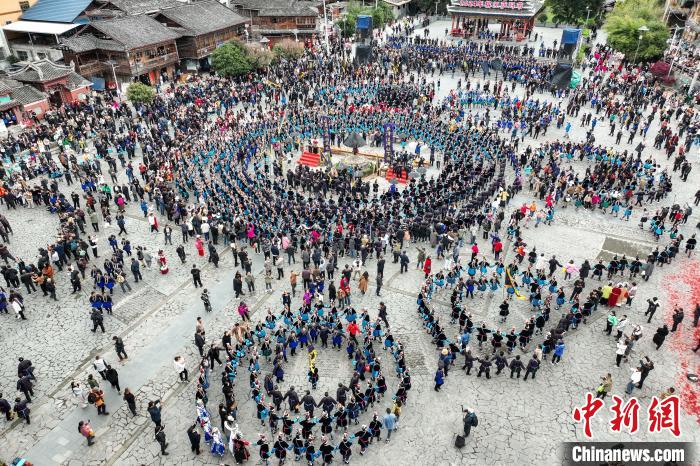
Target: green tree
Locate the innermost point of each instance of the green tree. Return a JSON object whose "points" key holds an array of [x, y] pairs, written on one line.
{"points": [[347, 22], [573, 11], [139, 93], [259, 55], [381, 16], [428, 6], [231, 59], [288, 49], [623, 25], [347, 26]]}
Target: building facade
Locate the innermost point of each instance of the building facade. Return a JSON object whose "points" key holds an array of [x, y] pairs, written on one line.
{"points": [[38, 31], [44, 29], [203, 26], [398, 7], [691, 33], [516, 18], [59, 82], [20, 103], [11, 10], [284, 19], [118, 51]]}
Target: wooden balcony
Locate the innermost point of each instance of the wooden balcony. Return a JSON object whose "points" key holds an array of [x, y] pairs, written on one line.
{"points": [[150, 63], [92, 68], [100, 67]]}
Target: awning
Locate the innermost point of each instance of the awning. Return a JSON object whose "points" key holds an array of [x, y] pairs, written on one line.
{"points": [[39, 27]]}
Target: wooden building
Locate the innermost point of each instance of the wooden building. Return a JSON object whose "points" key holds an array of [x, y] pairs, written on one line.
{"points": [[110, 9], [280, 19], [691, 33], [122, 50], [59, 82], [516, 18], [203, 26], [20, 103]]}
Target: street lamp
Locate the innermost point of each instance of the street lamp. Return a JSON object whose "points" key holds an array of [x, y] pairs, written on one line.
{"points": [[580, 38], [641, 31], [325, 26]]}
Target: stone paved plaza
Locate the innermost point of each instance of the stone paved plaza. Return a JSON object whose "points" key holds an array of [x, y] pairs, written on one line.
{"points": [[520, 422]]}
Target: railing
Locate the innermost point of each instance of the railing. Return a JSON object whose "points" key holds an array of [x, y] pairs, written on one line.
{"points": [[100, 66], [91, 68], [145, 66], [36, 41]]}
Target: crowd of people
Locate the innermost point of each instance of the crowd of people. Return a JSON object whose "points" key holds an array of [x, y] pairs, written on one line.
{"points": [[270, 343], [213, 169]]}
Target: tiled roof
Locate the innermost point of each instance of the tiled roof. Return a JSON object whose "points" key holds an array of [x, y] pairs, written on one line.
{"points": [[9, 104], [40, 71], [291, 32], [203, 17], [27, 95], [85, 42], [397, 2], [59, 11], [279, 7], [75, 81], [4, 88], [135, 31], [137, 7], [22, 94], [496, 8]]}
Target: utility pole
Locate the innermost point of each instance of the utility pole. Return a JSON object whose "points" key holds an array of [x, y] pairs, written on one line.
{"points": [[692, 83], [325, 26], [580, 38], [673, 40], [667, 7]]}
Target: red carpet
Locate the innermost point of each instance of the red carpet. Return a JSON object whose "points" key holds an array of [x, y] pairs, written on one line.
{"points": [[401, 179], [310, 159]]}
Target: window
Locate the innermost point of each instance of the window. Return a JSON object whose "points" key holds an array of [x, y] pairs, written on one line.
{"points": [[22, 55], [305, 21], [24, 6], [40, 55]]}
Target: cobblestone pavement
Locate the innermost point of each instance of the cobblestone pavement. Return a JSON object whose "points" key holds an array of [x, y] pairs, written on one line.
{"points": [[520, 421]]}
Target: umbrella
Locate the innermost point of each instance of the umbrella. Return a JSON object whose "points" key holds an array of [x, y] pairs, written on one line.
{"points": [[414, 174], [354, 140], [341, 166], [422, 170]]}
